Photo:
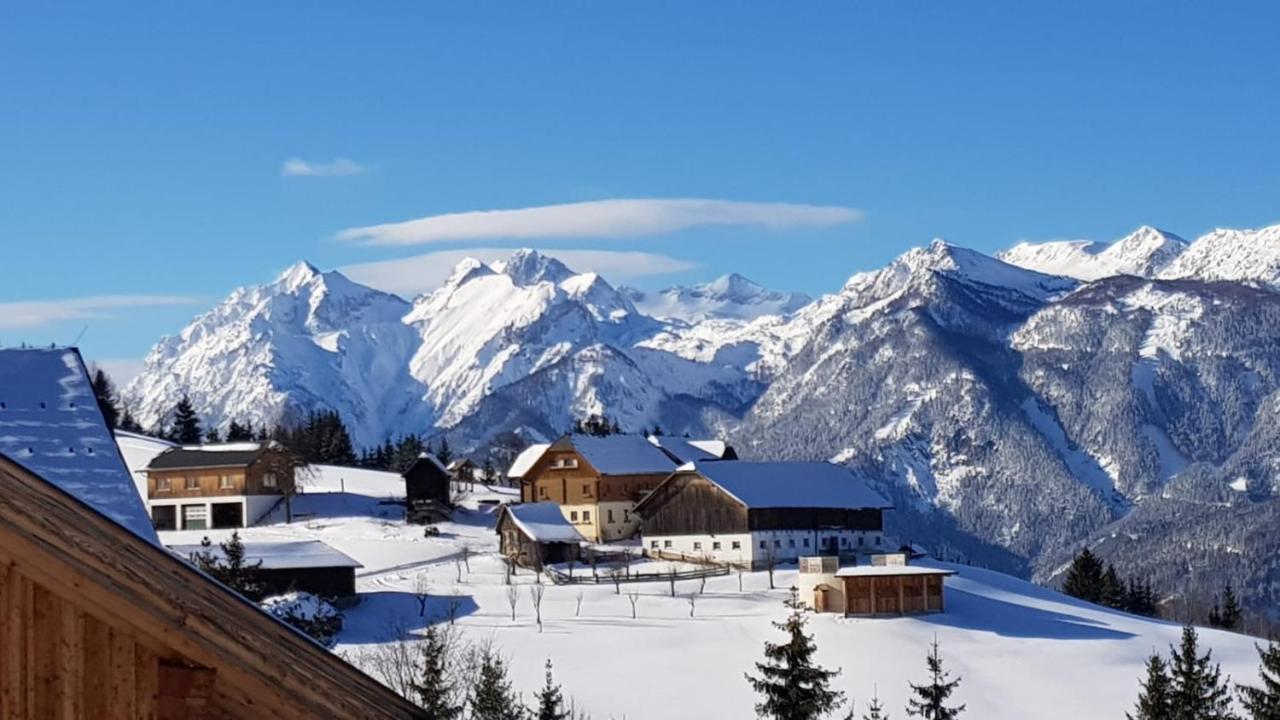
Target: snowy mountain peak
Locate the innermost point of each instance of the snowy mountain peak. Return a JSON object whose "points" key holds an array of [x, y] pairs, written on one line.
{"points": [[530, 267], [919, 265], [1145, 252], [297, 275], [467, 269], [1251, 256], [728, 297]]}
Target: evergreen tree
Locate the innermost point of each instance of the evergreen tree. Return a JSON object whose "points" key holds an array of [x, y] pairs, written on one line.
{"points": [[406, 453], [930, 700], [104, 391], [1230, 617], [1084, 577], [1199, 692], [239, 433], [186, 424], [791, 685], [1139, 599], [1111, 590], [212, 436], [443, 452], [492, 698], [128, 423], [550, 700], [875, 710], [1263, 703], [432, 687], [1156, 700], [230, 568]]}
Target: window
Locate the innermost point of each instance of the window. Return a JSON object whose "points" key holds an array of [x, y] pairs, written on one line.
{"points": [[761, 544], [861, 541], [653, 544], [542, 491], [791, 543], [224, 482], [164, 484], [586, 516], [565, 462], [269, 480], [806, 542], [164, 517], [626, 515], [195, 517], [877, 540], [193, 482], [610, 514], [586, 490], [737, 545], [715, 545], [697, 545], [573, 516], [777, 544], [844, 542], [666, 543]]}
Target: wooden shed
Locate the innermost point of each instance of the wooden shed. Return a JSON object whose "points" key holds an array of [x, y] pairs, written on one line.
{"points": [[428, 490], [306, 566], [537, 534]]}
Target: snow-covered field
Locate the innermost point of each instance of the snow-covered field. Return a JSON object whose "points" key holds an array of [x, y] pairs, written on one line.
{"points": [[1022, 651]]}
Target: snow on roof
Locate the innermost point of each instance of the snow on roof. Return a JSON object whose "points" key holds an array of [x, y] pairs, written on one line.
{"points": [[890, 570], [791, 484], [246, 446], [543, 522], [51, 425], [622, 454], [433, 459], [686, 450], [525, 460], [279, 555], [138, 451]]}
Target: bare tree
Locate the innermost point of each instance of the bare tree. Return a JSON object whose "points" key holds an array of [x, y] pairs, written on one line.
{"points": [[616, 576], [535, 593], [455, 604], [570, 561], [671, 576], [421, 590], [513, 597], [702, 584], [578, 609], [466, 556], [633, 596], [457, 564], [770, 562], [739, 579], [693, 601], [509, 569]]}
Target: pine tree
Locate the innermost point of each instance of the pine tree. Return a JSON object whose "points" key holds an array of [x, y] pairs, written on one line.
{"points": [[550, 700], [230, 568], [1155, 702], [1199, 692], [1139, 599], [186, 424], [432, 686], [492, 698], [443, 452], [239, 433], [1263, 703], [1111, 589], [212, 436], [1230, 617], [1084, 577], [875, 710], [104, 391], [930, 700], [791, 685], [128, 424]]}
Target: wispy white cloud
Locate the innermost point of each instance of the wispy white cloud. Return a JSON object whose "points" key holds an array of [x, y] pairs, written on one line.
{"points": [[338, 167], [37, 313], [599, 219], [411, 276]]}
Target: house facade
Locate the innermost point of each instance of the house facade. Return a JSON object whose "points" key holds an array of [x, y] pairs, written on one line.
{"points": [[537, 534], [886, 585], [597, 481], [754, 514], [226, 485]]}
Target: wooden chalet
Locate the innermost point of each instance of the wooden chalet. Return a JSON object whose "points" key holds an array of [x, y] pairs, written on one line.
{"points": [[756, 514], [97, 620], [305, 566], [888, 585], [524, 462], [597, 481], [536, 534], [218, 485], [428, 491]]}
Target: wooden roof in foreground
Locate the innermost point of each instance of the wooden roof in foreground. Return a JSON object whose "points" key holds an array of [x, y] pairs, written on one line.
{"points": [[263, 668]]}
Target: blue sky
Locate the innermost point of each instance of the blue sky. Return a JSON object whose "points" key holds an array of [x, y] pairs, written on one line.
{"points": [[143, 148]]}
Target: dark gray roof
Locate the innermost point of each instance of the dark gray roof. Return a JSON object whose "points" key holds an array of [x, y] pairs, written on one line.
{"points": [[181, 458]]}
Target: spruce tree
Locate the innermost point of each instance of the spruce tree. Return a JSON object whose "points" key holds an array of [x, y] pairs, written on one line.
{"points": [[1111, 590], [230, 568], [186, 424], [930, 699], [443, 452], [212, 435], [1199, 692], [1155, 702], [432, 686], [1263, 702], [239, 433], [1084, 577], [1230, 617], [104, 391], [791, 685], [875, 710], [550, 700], [492, 698]]}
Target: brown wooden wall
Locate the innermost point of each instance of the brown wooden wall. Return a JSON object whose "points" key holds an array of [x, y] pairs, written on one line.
{"points": [[809, 518], [244, 480], [692, 505], [893, 595]]}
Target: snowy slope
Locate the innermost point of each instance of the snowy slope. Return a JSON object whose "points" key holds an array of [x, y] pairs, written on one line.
{"points": [[1007, 639], [728, 297], [1251, 256], [1145, 252]]}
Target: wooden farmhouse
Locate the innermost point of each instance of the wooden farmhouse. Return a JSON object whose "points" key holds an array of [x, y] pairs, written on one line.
{"points": [[97, 620], [754, 514], [304, 566], [597, 481], [220, 485], [537, 534], [888, 585], [524, 462], [428, 490]]}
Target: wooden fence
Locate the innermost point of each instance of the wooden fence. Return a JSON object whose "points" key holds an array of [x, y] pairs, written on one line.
{"points": [[585, 576]]}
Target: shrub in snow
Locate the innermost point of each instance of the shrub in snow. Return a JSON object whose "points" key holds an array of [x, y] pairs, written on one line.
{"points": [[308, 613]]}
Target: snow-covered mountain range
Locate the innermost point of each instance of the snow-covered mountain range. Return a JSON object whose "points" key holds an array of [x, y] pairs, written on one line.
{"points": [[1014, 407]]}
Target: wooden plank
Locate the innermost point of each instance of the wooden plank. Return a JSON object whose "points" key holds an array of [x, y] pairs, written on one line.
{"points": [[146, 675], [123, 687], [12, 694], [45, 630], [95, 683], [70, 663]]}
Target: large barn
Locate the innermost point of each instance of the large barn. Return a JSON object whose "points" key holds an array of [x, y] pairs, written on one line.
{"points": [[754, 514], [97, 621]]}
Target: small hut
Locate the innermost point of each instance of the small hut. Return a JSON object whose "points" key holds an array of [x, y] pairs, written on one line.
{"points": [[537, 534], [887, 586], [280, 567], [427, 491]]}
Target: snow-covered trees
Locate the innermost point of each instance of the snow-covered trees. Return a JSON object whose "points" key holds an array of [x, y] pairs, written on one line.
{"points": [[930, 700], [1262, 702], [790, 684]]}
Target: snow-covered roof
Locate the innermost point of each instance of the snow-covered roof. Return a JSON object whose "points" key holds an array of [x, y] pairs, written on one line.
{"points": [[525, 460], [138, 451], [543, 522], [203, 456], [622, 454], [280, 555], [430, 457], [890, 570], [50, 424], [791, 484], [686, 450]]}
